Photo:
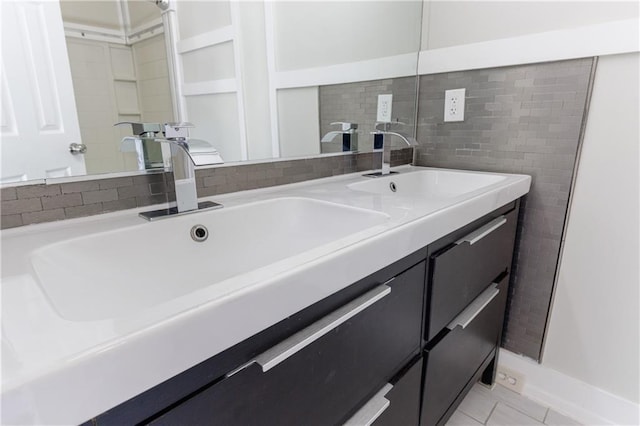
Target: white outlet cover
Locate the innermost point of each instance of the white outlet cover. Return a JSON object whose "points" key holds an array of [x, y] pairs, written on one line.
{"points": [[510, 379], [384, 108], [454, 105]]}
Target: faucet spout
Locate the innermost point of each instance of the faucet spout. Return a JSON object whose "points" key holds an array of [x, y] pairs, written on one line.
{"points": [[200, 152], [409, 140], [330, 136], [384, 130]]}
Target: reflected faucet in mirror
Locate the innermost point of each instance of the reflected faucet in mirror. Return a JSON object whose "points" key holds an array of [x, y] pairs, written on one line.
{"points": [[386, 129], [186, 153], [147, 157], [349, 135]]}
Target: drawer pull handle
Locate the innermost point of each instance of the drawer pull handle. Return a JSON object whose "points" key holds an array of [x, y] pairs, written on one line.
{"points": [[470, 312], [483, 231], [372, 409], [283, 350]]}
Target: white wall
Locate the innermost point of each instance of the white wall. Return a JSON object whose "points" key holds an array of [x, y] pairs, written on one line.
{"points": [[315, 33], [141, 12], [594, 329], [153, 80], [498, 34], [104, 14], [298, 122], [492, 20], [216, 120], [198, 17], [255, 79], [209, 63]]}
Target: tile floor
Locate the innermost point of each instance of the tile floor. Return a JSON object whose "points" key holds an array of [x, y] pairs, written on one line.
{"points": [[501, 407]]}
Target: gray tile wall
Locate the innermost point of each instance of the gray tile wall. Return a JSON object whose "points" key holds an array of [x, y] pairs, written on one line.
{"points": [[522, 119], [358, 103], [29, 204]]}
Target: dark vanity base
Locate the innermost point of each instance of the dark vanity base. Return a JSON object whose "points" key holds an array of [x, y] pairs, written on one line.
{"points": [[404, 351]]}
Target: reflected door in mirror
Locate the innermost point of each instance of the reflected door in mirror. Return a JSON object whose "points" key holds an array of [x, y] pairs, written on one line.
{"points": [[39, 120]]}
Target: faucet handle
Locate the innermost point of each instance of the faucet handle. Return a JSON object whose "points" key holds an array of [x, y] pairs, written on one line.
{"points": [[177, 130], [346, 126], [142, 128], [180, 125]]}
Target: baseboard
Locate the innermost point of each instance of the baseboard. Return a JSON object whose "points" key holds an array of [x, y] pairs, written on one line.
{"points": [[585, 403]]}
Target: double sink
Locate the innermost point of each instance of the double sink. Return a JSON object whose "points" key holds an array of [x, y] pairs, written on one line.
{"points": [[103, 308], [120, 272]]}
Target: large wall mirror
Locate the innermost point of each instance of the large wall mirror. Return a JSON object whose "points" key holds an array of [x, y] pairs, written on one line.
{"points": [[259, 80]]}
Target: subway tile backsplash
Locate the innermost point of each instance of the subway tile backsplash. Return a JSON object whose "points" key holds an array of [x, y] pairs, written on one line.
{"points": [[522, 119], [25, 205]]}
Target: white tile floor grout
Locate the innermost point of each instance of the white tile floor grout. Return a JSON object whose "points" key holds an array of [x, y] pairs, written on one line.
{"points": [[502, 407]]}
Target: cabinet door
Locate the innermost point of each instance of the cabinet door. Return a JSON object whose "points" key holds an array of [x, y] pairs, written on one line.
{"points": [[453, 360], [324, 381], [462, 270]]}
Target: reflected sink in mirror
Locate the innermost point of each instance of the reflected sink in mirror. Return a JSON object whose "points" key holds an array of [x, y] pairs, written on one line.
{"points": [[433, 183], [112, 274]]}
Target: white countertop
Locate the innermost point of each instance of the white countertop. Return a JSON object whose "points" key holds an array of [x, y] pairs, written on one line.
{"points": [[57, 371]]}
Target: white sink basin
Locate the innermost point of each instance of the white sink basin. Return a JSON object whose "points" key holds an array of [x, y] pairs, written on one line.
{"points": [[433, 183], [111, 274]]}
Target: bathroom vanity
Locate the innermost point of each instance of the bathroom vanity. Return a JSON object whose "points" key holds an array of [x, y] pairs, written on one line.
{"points": [[389, 323]]}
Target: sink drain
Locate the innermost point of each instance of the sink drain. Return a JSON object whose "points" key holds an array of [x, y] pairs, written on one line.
{"points": [[393, 187], [199, 233]]}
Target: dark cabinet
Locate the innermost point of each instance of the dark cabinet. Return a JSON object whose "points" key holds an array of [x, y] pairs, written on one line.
{"points": [[455, 357], [399, 347], [461, 271], [319, 375], [467, 294]]}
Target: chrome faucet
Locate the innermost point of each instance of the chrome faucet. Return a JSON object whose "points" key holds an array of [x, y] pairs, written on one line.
{"points": [[185, 154], [385, 129], [349, 135]]}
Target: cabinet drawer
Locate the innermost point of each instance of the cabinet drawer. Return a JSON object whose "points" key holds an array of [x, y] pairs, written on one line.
{"points": [[404, 399], [454, 359], [396, 404], [461, 271], [318, 381]]}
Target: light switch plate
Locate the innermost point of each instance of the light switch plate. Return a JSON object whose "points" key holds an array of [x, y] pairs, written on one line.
{"points": [[454, 105], [384, 108]]}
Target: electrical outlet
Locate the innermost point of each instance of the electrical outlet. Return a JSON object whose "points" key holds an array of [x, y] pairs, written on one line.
{"points": [[384, 108], [454, 105], [510, 379]]}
